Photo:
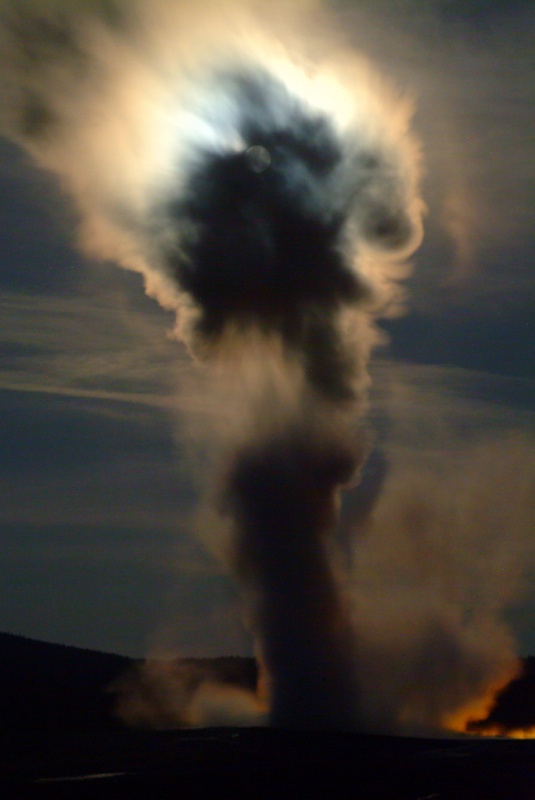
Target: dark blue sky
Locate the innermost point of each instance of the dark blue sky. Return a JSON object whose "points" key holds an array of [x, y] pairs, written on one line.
{"points": [[97, 484]]}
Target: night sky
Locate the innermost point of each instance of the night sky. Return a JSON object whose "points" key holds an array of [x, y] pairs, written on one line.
{"points": [[98, 481]]}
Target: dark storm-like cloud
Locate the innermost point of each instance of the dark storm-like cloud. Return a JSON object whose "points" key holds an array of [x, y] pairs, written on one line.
{"points": [[263, 239]]}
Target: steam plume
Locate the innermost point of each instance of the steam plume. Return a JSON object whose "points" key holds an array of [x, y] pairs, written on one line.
{"points": [[283, 494], [436, 566], [266, 189]]}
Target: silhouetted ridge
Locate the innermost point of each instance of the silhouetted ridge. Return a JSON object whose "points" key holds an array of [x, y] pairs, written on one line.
{"points": [[55, 688]]}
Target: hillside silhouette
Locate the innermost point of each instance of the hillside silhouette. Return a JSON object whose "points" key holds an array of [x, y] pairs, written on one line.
{"points": [[54, 688]]}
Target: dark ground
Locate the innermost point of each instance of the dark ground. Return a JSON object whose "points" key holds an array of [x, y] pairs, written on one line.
{"points": [[267, 763]]}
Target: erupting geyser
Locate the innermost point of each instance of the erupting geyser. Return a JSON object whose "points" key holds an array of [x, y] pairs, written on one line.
{"points": [[282, 493], [265, 190]]}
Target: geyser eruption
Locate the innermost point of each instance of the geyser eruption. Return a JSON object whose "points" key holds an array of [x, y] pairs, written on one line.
{"points": [[267, 191]]}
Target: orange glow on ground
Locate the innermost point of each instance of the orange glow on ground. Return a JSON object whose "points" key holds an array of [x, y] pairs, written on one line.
{"points": [[496, 730], [476, 710], [479, 710]]}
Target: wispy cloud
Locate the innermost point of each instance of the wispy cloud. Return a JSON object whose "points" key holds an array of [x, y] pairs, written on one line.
{"points": [[82, 347], [433, 409]]}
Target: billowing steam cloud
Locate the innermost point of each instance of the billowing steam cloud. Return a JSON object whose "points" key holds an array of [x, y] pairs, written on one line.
{"points": [[437, 565], [267, 191], [197, 143]]}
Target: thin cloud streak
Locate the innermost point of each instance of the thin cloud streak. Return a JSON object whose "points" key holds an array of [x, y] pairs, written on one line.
{"points": [[419, 407], [79, 348]]}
